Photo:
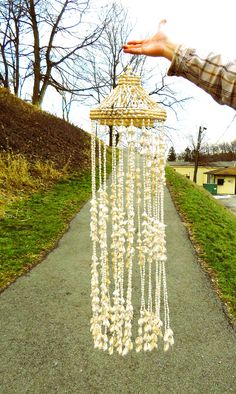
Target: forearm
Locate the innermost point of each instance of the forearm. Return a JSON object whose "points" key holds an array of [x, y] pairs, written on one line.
{"points": [[209, 73]]}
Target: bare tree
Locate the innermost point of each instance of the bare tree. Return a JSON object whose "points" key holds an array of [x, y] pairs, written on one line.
{"points": [[67, 99], [54, 43], [233, 146], [165, 94], [12, 26], [105, 60], [64, 25], [40, 41], [196, 150]]}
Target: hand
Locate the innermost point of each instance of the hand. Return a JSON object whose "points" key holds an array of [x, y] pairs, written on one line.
{"points": [[158, 45]]}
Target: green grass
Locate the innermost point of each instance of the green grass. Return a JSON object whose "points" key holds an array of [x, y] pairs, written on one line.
{"points": [[31, 227], [213, 230]]}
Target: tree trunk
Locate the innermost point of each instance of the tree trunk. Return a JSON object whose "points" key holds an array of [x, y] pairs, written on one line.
{"points": [[196, 161], [37, 60], [17, 60], [197, 152], [5, 78]]}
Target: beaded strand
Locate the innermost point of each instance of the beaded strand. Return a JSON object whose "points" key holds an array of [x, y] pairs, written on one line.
{"points": [[127, 222]]}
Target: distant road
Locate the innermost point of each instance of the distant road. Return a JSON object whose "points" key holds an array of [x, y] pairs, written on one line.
{"points": [[228, 201]]}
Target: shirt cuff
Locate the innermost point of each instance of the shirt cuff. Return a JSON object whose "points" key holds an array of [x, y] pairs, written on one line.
{"points": [[179, 61]]}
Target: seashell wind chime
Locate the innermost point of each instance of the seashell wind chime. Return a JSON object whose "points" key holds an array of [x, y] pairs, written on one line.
{"points": [[127, 222]]}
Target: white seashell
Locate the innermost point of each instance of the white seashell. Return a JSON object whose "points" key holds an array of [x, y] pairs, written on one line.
{"points": [[119, 349], [138, 348], [147, 328], [140, 331], [168, 333], [131, 345], [138, 341], [166, 346], [125, 351], [106, 323], [111, 350], [96, 344]]}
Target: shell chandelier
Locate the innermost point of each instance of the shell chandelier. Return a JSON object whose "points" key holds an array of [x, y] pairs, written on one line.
{"points": [[128, 282]]}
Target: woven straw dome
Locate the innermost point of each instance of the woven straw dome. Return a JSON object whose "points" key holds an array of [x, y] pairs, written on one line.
{"points": [[128, 103]]}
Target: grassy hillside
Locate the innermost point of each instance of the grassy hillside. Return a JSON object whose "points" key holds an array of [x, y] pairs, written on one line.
{"points": [[44, 181], [36, 134], [212, 229]]}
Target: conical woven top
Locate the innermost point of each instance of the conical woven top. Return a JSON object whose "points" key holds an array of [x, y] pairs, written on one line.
{"points": [[128, 103]]}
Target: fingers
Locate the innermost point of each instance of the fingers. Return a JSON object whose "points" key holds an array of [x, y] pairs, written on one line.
{"points": [[134, 42], [133, 47], [133, 50]]}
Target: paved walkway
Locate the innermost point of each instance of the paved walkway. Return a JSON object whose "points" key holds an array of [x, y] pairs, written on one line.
{"points": [[46, 347]]}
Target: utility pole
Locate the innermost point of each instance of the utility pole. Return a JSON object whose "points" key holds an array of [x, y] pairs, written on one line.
{"points": [[197, 151]]}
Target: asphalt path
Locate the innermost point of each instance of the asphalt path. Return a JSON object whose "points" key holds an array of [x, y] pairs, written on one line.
{"points": [[46, 346], [229, 201]]}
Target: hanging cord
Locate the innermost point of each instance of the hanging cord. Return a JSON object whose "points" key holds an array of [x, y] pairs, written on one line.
{"points": [[168, 334], [118, 247], [95, 299], [121, 222], [115, 340], [102, 206], [127, 335]]}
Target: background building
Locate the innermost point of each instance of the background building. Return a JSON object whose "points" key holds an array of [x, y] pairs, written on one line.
{"points": [[222, 174]]}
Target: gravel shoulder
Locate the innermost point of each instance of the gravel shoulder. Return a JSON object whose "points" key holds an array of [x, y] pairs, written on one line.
{"points": [[46, 346]]}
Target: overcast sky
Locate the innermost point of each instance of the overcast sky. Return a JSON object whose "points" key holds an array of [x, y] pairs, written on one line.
{"points": [[205, 24]]}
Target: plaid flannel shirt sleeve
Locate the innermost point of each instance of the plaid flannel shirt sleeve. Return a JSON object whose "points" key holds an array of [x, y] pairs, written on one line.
{"points": [[211, 73]]}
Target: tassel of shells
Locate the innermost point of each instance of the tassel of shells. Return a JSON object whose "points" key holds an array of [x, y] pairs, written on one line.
{"points": [[128, 239]]}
